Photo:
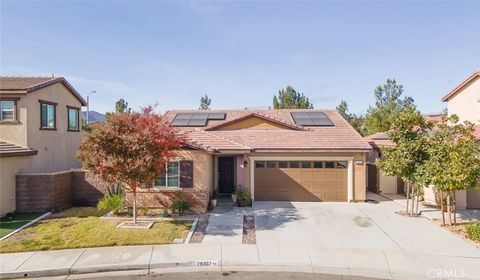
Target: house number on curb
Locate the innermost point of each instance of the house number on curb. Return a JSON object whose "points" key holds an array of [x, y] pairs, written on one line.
{"points": [[207, 263]]}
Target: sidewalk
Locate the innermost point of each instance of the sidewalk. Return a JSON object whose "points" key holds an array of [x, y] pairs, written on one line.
{"points": [[237, 257]]}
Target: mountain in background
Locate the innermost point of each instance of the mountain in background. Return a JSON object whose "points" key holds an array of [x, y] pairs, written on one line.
{"points": [[93, 116]]}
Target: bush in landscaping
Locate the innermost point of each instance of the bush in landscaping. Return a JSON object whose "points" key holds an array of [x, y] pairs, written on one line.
{"points": [[114, 203], [180, 206], [473, 231]]}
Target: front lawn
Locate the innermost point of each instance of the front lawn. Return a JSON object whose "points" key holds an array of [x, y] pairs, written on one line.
{"points": [[12, 222], [81, 227]]}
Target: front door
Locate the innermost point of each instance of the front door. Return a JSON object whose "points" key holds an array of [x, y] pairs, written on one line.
{"points": [[225, 174]]}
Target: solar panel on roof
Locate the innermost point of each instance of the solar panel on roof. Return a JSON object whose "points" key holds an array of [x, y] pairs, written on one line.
{"points": [[311, 119], [199, 115], [183, 116], [196, 119], [216, 116], [180, 122], [197, 122]]}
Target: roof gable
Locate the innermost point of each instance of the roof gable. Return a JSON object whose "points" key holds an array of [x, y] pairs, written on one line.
{"points": [[22, 85], [468, 81], [254, 121]]}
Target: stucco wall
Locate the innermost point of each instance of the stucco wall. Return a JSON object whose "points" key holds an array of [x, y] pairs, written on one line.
{"points": [[56, 148], [198, 195], [9, 167], [460, 197], [466, 103]]}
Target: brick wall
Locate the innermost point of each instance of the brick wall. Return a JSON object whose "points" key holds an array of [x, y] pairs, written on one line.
{"points": [[57, 191], [153, 198], [87, 189], [43, 192]]}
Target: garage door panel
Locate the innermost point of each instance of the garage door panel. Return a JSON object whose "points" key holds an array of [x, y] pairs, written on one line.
{"points": [[301, 184]]}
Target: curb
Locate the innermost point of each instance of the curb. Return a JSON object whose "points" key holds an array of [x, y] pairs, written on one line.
{"points": [[192, 230]]}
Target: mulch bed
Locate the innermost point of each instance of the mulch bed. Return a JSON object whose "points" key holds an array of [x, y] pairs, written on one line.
{"points": [[249, 230], [199, 233]]}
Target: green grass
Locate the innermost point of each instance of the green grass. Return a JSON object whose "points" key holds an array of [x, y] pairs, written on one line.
{"points": [[12, 222], [81, 227], [473, 231]]}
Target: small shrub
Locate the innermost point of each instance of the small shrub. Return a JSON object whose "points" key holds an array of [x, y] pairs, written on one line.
{"points": [[144, 209], [180, 206], [111, 203], [115, 190], [165, 213], [243, 196], [473, 231]]}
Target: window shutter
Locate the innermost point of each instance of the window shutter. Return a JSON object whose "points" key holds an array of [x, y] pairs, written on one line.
{"points": [[186, 174]]}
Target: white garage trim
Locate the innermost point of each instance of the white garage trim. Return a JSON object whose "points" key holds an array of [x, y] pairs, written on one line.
{"points": [[252, 160]]}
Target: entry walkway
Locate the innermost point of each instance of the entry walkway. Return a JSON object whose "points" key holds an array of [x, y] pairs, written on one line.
{"points": [[225, 223]]}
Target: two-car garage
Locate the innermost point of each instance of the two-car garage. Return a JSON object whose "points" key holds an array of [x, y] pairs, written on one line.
{"points": [[300, 180]]}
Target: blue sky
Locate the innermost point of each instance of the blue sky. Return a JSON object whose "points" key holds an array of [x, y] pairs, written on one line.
{"points": [[242, 53]]}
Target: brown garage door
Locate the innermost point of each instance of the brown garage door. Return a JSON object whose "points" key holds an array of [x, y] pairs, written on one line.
{"points": [[301, 180]]}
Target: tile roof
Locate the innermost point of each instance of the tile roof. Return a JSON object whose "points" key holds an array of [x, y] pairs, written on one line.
{"points": [[11, 150], [31, 84], [341, 137], [470, 78], [378, 140]]}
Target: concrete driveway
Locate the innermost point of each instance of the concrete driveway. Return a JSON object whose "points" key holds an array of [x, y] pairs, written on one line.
{"points": [[350, 226]]}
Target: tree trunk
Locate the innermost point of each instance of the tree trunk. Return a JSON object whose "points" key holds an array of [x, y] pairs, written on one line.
{"points": [[408, 197], [134, 207], [441, 206], [454, 209], [413, 200], [449, 209], [417, 198]]}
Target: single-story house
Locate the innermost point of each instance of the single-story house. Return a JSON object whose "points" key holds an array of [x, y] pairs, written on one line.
{"points": [[278, 155], [377, 181]]}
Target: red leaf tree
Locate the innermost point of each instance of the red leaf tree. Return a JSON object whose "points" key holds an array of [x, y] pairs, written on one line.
{"points": [[129, 149]]}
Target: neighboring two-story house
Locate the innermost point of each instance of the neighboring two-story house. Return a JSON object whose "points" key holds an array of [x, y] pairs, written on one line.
{"points": [[40, 130], [464, 101]]}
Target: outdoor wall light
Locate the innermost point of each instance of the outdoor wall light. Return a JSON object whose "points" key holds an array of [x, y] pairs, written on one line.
{"points": [[244, 165]]}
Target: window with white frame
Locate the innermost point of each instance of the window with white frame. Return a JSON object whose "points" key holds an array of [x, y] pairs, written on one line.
{"points": [[170, 176], [7, 110]]}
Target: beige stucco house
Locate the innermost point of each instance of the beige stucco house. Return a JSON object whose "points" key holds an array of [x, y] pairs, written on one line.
{"points": [[40, 130], [278, 155], [464, 101]]}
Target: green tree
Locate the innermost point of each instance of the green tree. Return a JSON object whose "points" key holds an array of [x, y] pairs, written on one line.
{"points": [[129, 149], [289, 98], [406, 158], [121, 106], [388, 104], [454, 160], [354, 120], [205, 102]]}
